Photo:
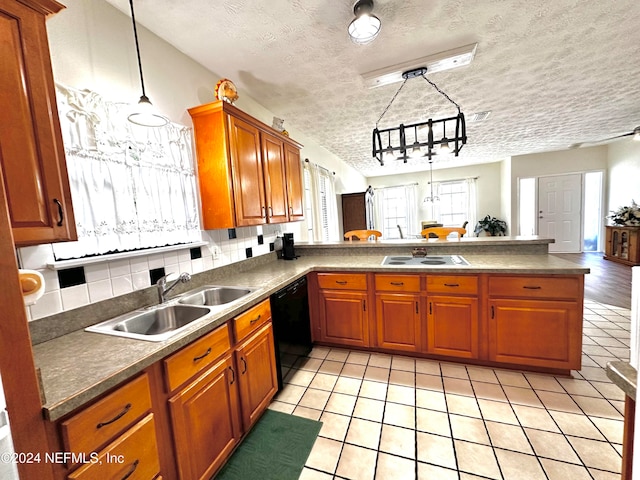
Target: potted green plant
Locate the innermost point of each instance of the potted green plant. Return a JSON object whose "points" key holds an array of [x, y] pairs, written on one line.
{"points": [[491, 225]]}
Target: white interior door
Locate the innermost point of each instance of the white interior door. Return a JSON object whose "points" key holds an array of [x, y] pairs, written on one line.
{"points": [[560, 206]]}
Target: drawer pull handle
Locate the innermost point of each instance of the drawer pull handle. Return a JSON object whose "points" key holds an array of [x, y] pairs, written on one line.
{"points": [[195, 359], [341, 282], [397, 284], [251, 322], [233, 376], [244, 363], [124, 411], [532, 287], [451, 284], [430, 309], [60, 212], [131, 470]]}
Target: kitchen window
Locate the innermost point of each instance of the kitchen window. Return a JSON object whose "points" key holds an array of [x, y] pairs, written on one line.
{"points": [[132, 187], [396, 209], [456, 203], [320, 195]]}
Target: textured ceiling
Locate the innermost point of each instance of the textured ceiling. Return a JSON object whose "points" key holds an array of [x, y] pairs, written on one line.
{"points": [[552, 72]]}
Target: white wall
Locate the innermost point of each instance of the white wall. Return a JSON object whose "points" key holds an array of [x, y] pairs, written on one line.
{"points": [[92, 46], [552, 163], [623, 160], [489, 185]]}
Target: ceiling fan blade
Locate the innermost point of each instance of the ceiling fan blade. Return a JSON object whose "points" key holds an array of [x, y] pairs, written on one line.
{"points": [[635, 131]]}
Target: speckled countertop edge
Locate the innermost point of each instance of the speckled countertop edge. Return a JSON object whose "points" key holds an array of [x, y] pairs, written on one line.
{"points": [[624, 376], [79, 366], [436, 243]]}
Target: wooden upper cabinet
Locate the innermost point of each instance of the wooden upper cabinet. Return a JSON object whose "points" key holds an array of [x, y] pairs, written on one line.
{"points": [[295, 184], [275, 186], [32, 162], [246, 169], [248, 179]]}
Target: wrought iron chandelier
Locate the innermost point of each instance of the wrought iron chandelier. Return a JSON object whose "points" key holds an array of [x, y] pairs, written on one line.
{"points": [[419, 140]]}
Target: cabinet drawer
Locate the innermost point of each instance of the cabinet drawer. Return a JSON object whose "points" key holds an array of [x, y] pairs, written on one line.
{"points": [[250, 320], [342, 281], [133, 455], [452, 284], [535, 287], [398, 283], [195, 357], [96, 425]]}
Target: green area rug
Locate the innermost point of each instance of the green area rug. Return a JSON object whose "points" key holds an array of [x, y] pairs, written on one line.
{"points": [[276, 449]]}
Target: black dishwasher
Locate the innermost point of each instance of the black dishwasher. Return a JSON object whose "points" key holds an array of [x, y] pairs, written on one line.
{"points": [[291, 328]]}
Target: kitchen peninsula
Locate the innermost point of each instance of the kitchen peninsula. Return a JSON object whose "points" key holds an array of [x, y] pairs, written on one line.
{"points": [[513, 306]]}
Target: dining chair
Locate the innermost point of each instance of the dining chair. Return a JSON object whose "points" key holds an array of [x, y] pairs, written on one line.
{"points": [[443, 232], [362, 234]]}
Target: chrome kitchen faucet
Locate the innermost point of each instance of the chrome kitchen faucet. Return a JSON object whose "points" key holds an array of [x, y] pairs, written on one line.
{"points": [[163, 289]]}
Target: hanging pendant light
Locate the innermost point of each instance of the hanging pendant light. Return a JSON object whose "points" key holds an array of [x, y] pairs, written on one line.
{"points": [[144, 114]]}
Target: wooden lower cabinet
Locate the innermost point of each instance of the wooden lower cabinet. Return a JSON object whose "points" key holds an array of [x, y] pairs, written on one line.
{"points": [[532, 321], [398, 323], [452, 326], [543, 333], [133, 455], [257, 376], [206, 423], [211, 413], [344, 318], [536, 320]]}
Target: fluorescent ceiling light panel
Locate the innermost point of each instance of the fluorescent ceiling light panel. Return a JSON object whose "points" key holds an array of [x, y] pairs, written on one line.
{"points": [[457, 57]]}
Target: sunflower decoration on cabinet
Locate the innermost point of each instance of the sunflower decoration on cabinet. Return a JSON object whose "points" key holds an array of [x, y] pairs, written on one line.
{"points": [[226, 90]]}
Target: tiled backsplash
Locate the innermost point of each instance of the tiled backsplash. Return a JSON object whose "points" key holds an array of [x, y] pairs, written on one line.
{"points": [[75, 287]]}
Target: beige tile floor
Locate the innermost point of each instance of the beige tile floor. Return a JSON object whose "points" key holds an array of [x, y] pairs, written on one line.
{"points": [[390, 417]]}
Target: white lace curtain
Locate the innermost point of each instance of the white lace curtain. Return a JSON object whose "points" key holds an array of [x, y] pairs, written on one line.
{"points": [[132, 187]]}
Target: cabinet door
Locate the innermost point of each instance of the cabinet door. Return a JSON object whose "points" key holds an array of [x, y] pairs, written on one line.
{"points": [[535, 332], [452, 326], [398, 321], [275, 187], [32, 161], [295, 185], [343, 318], [258, 380], [205, 421], [248, 178]]}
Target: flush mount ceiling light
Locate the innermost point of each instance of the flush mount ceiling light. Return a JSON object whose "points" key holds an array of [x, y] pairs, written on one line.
{"points": [[365, 27], [439, 62], [144, 113], [398, 144]]}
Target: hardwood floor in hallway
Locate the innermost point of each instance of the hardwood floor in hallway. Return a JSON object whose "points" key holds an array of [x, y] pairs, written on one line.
{"points": [[609, 282]]}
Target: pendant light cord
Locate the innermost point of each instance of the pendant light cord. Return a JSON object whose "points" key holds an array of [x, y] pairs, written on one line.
{"points": [[135, 35], [440, 91], [394, 97]]}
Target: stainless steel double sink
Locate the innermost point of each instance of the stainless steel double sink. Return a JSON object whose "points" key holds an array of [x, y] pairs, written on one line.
{"points": [[161, 322]]}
